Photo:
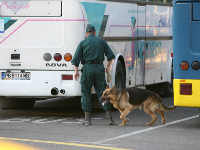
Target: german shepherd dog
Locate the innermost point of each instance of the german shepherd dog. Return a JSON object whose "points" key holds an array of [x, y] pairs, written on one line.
{"points": [[128, 99]]}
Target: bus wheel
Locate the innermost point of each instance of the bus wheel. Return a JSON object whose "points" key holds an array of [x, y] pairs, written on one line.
{"points": [[120, 76], [7, 103], [168, 89], [25, 103]]}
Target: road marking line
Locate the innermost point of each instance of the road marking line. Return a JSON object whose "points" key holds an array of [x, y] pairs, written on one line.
{"points": [[71, 122], [45, 120], [88, 143], [63, 143], [144, 130]]}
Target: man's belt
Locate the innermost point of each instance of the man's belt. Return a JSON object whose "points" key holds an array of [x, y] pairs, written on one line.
{"points": [[93, 62]]}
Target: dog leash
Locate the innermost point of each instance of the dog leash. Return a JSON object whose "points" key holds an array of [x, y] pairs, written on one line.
{"points": [[108, 80], [109, 77]]}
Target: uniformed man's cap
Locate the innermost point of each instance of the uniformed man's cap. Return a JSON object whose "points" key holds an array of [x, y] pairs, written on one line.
{"points": [[90, 28]]}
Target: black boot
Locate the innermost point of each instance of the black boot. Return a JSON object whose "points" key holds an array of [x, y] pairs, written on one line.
{"points": [[109, 118], [87, 120]]}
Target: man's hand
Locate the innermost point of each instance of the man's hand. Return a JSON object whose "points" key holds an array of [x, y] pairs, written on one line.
{"points": [[76, 75], [108, 66]]}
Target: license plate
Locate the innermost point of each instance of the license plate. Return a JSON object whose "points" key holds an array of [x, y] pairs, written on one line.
{"points": [[16, 75]]}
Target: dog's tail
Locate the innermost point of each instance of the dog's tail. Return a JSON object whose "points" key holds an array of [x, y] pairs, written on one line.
{"points": [[165, 108]]}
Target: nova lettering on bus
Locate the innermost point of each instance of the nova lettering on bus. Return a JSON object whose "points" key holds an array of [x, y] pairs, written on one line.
{"points": [[56, 65]]}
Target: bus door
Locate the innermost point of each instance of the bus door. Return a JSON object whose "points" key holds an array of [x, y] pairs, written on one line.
{"points": [[141, 32]]}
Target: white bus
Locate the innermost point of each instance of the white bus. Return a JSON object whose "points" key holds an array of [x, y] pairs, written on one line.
{"points": [[39, 38]]}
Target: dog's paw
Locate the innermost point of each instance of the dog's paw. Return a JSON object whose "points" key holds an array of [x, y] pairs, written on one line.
{"points": [[120, 125], [141, 107], [148, 124], [127, 120]]}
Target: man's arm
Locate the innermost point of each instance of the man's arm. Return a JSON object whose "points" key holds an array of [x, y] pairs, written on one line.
{"points": [[110, 56], [76, 60]]}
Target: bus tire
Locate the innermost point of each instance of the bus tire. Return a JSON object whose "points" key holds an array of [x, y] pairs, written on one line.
{"points": [[120, 76], [168, 89], [25, 103]]}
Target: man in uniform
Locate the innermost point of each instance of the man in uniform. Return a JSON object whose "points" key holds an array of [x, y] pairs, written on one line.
{"points": [[91, 52]]}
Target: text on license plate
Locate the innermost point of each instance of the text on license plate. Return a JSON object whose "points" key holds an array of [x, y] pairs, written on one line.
{"points": [[16, 75]]}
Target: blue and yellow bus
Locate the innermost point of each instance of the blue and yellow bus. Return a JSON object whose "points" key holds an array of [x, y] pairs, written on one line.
{"points": [[186, 52]]}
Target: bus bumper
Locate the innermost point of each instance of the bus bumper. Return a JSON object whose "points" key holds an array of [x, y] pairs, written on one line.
{"points": [[189, 96], [40, 84]]}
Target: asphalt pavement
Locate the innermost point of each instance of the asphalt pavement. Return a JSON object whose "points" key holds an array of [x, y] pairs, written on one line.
{"points": [[53, 125]]}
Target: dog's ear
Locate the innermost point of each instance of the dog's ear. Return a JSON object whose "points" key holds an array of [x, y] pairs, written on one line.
{"points": [[113, 89], [107, 87]]}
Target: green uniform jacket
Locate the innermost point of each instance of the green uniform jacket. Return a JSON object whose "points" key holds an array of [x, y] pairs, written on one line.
{"points": [[92, 48]]}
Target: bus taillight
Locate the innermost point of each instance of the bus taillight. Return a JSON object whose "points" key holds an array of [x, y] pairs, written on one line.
{"points": [[57, 57], [184, 65], [195, 65], [68, 57], [185, 89], [67, 77], [47, 56], [171, 54]]}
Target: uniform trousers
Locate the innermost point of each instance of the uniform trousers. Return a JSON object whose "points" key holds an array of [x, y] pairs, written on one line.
{"points": [[93, 74]]}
